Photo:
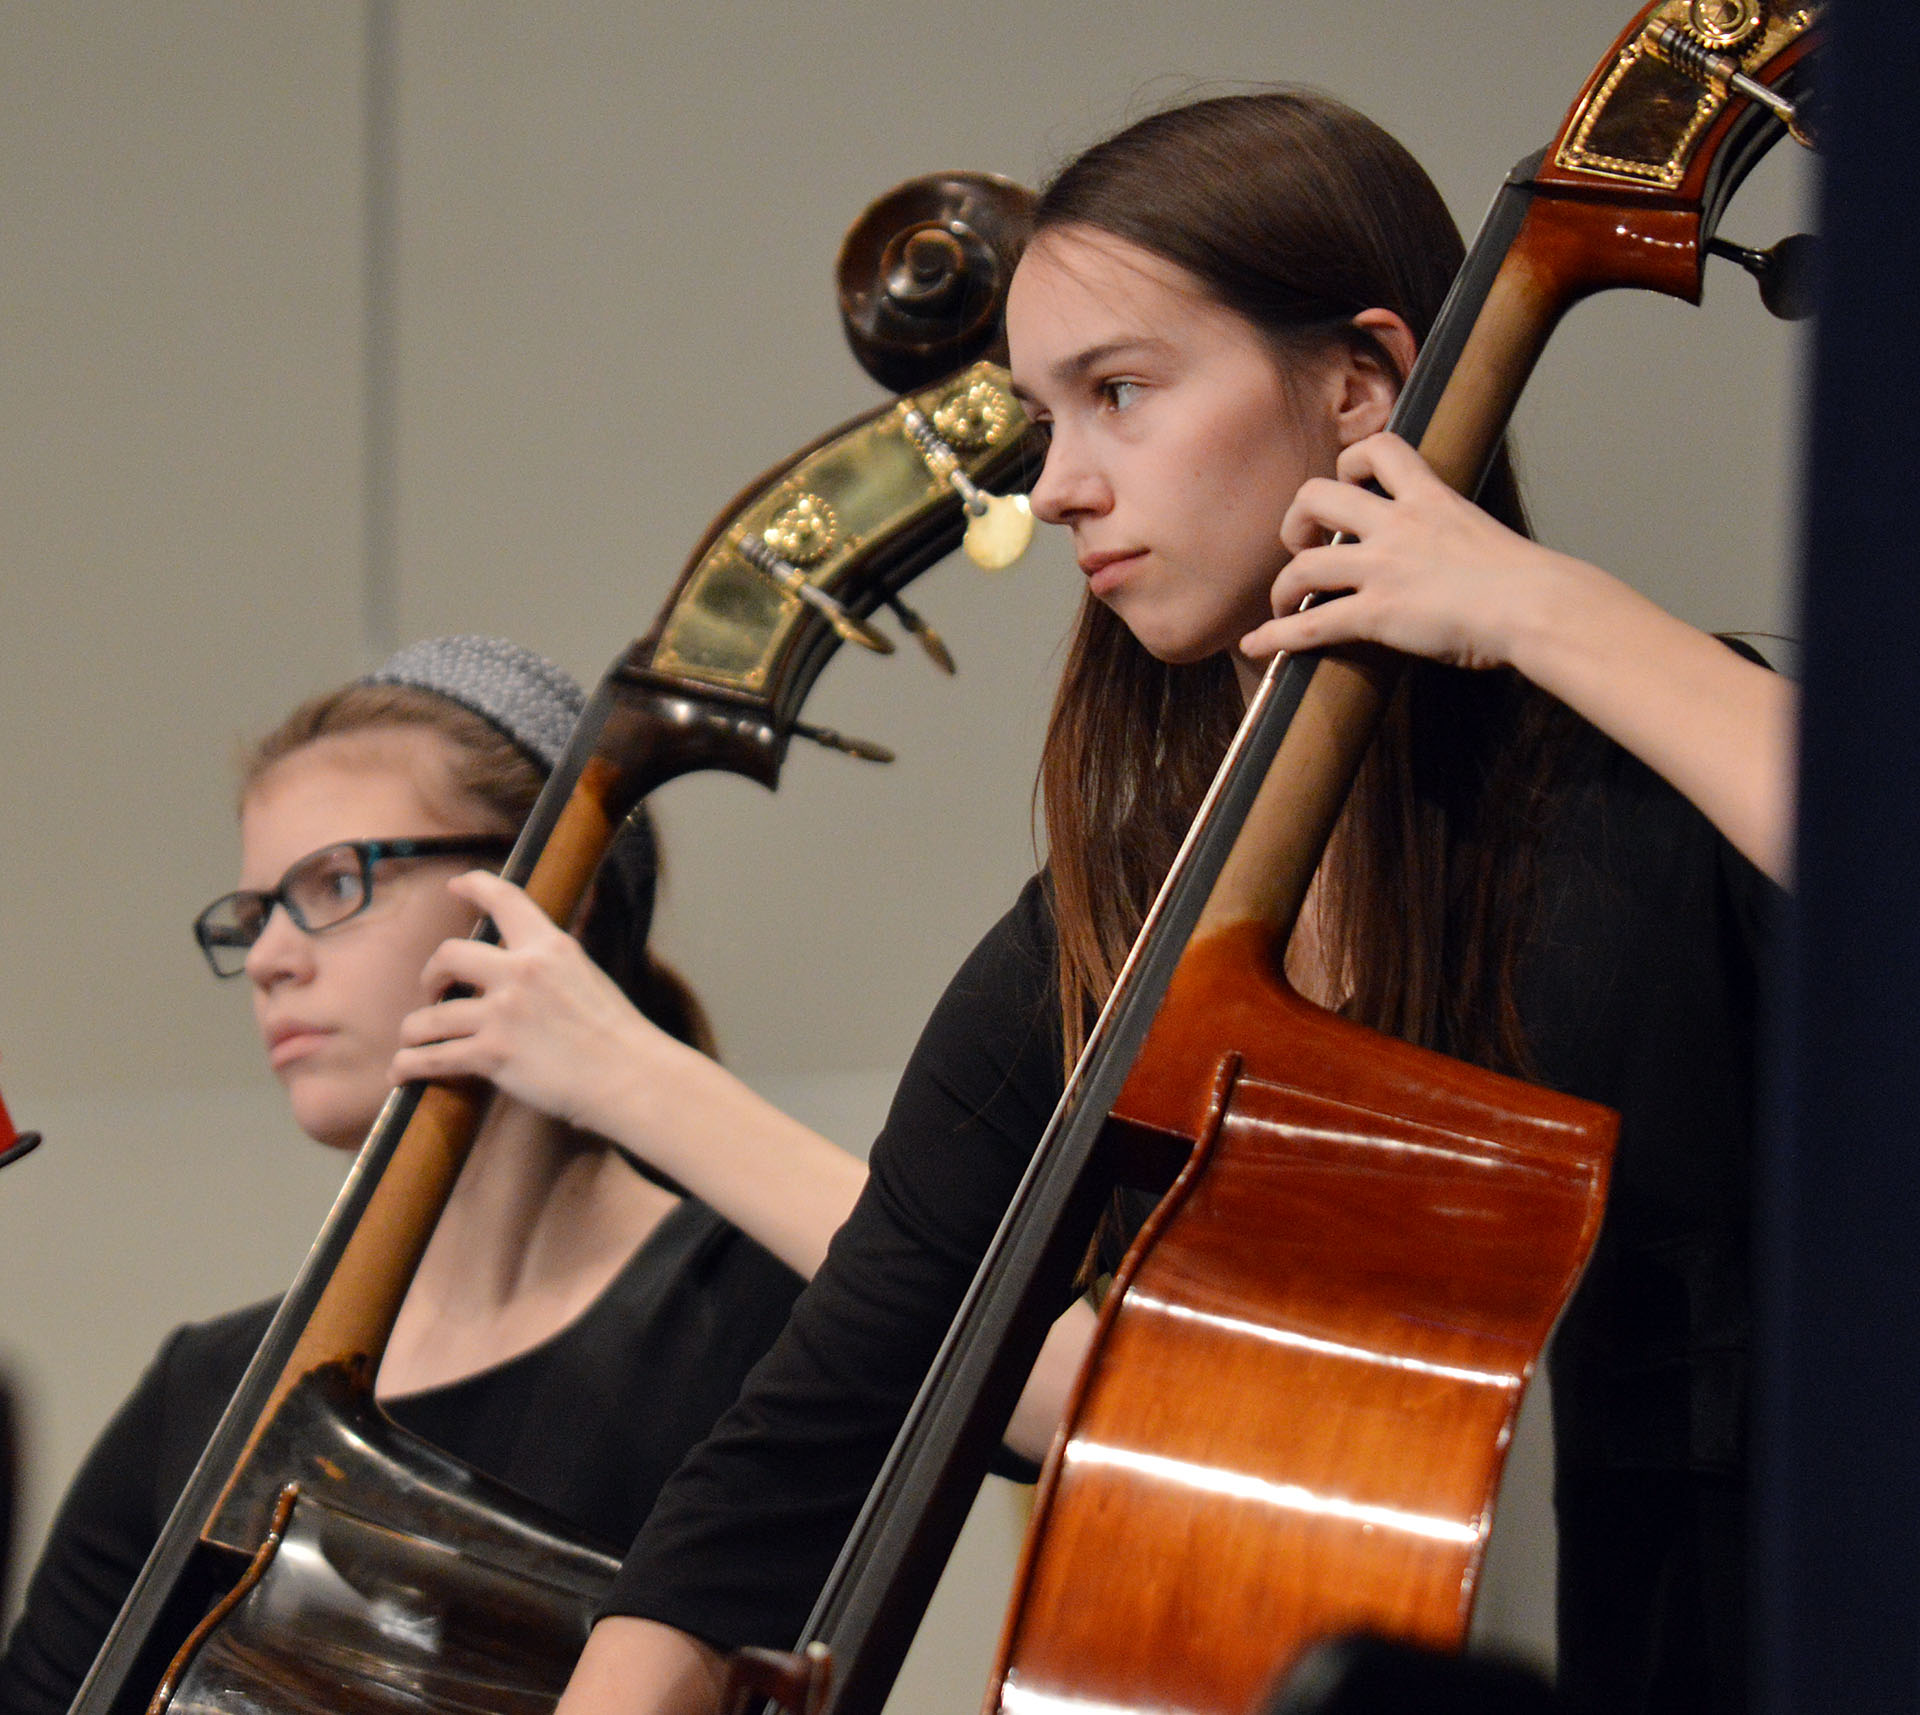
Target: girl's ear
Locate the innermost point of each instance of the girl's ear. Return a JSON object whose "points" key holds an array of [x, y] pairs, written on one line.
{"points": [[1366, 388]]}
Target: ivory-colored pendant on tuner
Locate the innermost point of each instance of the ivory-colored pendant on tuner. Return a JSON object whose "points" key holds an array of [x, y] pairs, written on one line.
{"points": [[999, 536]]}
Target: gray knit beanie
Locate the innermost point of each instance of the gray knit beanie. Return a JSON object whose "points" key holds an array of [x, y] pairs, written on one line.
{"points": [[526, 696]]}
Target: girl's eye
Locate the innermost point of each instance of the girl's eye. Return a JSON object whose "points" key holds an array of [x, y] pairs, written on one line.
{"points": [[1119, 395]]}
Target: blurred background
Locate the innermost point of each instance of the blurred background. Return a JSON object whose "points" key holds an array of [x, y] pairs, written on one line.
{"points": [[330, 327]]}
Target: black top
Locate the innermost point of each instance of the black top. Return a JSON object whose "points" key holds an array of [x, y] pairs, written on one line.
{"points": [[589, 1423], [1638, 991]]}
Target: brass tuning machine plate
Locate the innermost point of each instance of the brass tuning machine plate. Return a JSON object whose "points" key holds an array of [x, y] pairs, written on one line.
{"points": [[999, 526], [760, 553], [1700, 52]]}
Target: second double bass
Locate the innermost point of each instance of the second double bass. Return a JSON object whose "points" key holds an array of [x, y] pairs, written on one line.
{"points": [[319, 1556]]}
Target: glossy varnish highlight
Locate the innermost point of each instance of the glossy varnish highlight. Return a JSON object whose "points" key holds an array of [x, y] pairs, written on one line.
{"points": [[1309, 1368]]}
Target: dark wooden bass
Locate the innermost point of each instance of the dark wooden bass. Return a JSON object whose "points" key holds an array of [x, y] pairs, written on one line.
{"points": [[321, 1558], [1303, 1385]]}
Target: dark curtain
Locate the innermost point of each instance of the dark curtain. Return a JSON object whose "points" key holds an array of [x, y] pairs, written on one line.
{"points": [[1838, 1564]]}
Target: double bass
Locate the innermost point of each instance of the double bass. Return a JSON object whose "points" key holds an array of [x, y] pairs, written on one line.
{"points": [[1348, 1220], [321, 1558]]}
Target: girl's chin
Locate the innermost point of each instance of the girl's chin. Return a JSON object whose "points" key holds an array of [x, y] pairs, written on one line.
{"points": [[1176, 640], [346, 1143], [1179, 649], [328, 1119]]}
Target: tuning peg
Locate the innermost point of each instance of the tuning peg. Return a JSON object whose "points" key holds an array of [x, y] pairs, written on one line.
{"points": [[1712, 69], [923, 634], [755, 551], [864, 748], [1785, 273], [999, 526]]}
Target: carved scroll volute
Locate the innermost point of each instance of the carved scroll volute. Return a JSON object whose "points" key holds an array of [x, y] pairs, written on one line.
{"points": [[923, 274], [922, 280]]}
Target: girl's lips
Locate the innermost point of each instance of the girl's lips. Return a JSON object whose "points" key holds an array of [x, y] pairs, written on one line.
{"points": [[289, 1042], [1105, 571]]}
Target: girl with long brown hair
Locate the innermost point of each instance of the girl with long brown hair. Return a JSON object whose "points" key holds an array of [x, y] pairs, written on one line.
{"points": [[1219, 306]]}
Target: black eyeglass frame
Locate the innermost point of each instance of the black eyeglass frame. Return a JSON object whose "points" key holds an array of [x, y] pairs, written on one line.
{"points": [[366, 853]]}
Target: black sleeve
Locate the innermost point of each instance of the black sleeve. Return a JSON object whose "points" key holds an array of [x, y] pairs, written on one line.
{"points": [[114, 1510], [747, 1530], [1641, 988]]}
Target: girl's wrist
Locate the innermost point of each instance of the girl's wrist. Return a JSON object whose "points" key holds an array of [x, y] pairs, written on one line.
{"points": [[621, 1099], [653, 1096], [1551, 618]]}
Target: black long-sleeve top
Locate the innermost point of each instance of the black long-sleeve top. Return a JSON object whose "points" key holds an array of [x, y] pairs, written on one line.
{"points": [[1638, 990]]}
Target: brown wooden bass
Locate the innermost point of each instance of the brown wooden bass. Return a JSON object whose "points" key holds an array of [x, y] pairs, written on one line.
{"points": [[320, 1557], [1304, 1382]]}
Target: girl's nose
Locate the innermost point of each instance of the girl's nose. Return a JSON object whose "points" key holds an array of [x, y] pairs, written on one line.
{"points": [[1070, 485], [283, 950]]}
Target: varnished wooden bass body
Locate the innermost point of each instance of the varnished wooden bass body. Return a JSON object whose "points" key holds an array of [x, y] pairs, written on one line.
{"points": [[1309, 1367], [1295, 1415], [1295, 1412]]}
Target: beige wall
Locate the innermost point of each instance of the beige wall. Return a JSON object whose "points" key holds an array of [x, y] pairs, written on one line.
{"points": [[611, 306]]}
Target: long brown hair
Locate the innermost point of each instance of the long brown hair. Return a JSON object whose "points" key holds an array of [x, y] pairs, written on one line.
{"points": [[494, 778], [1298, 213]]}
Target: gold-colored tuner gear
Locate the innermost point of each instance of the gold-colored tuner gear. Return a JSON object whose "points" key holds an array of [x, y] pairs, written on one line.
{"points": [[999, 526], [804, 532], [1723, 24], [974, 417]]}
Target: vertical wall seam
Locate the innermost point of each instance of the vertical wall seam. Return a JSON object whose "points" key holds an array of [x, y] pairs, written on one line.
{"points": [[380, 573]]}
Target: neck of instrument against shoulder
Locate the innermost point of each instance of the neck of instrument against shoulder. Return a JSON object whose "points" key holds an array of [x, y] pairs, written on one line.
{"points": [[354, 1314], [1266, 877]]}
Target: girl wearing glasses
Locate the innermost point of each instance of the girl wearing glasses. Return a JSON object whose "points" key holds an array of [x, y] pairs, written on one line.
{"points": [[562, 1277]]}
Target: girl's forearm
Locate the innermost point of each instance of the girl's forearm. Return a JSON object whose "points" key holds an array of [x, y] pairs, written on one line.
{"points": [[1718, 727], [640, 1667], [777, 1180]]}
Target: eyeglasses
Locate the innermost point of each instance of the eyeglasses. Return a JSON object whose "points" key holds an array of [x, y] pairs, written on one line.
{"points": [[319, 892]]}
